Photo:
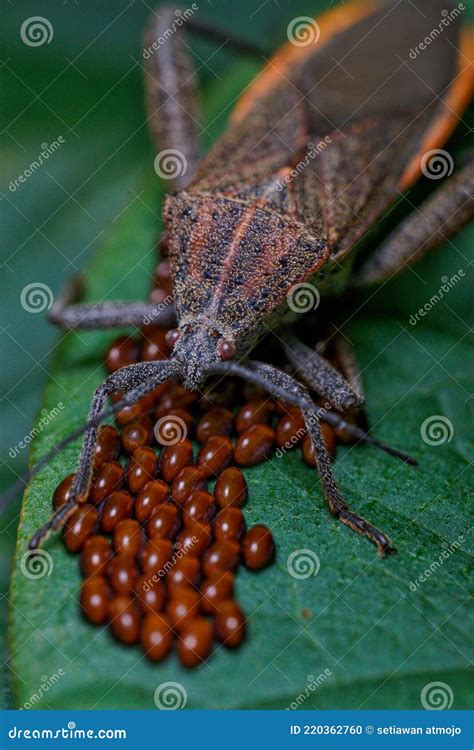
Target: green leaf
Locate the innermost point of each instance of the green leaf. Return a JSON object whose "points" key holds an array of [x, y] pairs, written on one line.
{"points": [[380, 641]]}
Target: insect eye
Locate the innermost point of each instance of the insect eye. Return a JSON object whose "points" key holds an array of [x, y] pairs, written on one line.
{"points": [[226, 350], [172, 337]]}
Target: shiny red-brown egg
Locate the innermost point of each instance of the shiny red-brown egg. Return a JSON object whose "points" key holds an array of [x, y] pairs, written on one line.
{"points": [[258, 411], [156, 636], [127, 537], [230, 624], [122, 574], [154, 345], [80, 525], [174, 458], [217, 588], [230, 488], [189, 480], [254, 445], [62, 493], [200, 506], [215, 455], [258, 547], [164, 522], [108, 478], [223, 555], [151, 594], [124, 618], [108, 445], [137, 434], [183, 606], [117, 507], [122, 352], [95, 555], [216, 421], [195, 642], [94, 600], [153, 495], [141, 469], [290, 430], [229, 524], [155, 555], [185, 572], [194, 539]]}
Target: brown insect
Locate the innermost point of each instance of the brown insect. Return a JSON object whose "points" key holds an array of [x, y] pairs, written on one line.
{"points": [[259, 215]]}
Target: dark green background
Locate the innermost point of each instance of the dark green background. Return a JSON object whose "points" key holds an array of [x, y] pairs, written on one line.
{"points": [[86, 86]]}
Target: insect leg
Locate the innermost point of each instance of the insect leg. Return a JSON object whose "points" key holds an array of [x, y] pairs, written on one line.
{"points": [[284, 386], [171, 91], [320, 376], [137, 380], [443, 214], [66, 314]]}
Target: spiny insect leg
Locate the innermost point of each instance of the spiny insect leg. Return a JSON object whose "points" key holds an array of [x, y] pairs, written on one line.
{"points": [[320, 376], [65, 313], [137, 380], [437, 219], [284, 386]]}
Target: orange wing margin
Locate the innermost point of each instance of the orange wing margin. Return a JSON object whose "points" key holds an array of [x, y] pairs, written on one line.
{"points": [[455, 102], [329, 24]]}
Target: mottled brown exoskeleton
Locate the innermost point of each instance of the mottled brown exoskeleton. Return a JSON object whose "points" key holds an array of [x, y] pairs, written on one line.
{"points": [[261, 214]]}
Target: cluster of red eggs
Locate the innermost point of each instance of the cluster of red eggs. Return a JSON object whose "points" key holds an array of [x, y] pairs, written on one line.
{"points": [[159, 548]]}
